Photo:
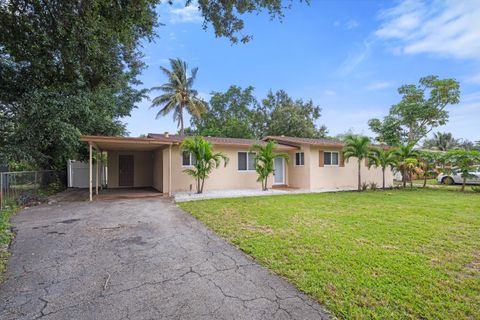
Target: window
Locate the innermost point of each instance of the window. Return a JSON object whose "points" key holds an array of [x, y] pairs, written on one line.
{"points": [[246, 161], [331, 158], [188, 159], [299, 159]]}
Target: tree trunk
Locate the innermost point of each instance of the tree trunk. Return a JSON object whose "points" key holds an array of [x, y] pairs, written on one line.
{"points": [[198, 185], [404, 177], [463, 183], [359, 176], [383, 178], [203, 184], [411, 179], [266, 180], [424, 180], [182, 131]]}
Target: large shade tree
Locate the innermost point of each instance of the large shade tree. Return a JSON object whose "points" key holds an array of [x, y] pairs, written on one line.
{"points": [[421, 108], [178, 93], [70, 67], [357, 147]]}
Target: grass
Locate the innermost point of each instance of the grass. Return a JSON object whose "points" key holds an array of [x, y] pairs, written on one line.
{"points": [[396, 254], [5, 235]]}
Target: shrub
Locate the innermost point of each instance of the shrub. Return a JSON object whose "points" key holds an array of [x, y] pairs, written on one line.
{"points": [[373, 185], [364, 186]]}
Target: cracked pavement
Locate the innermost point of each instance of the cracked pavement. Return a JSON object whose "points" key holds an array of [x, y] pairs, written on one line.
{"points": [[136, 259]]}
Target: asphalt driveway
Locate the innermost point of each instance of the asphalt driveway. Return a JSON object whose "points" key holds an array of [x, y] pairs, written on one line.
{"points": [[136, 259]]}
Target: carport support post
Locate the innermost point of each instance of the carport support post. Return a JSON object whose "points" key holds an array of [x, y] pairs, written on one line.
{"points": [[96, 172], [170, 170], [90, 173]]}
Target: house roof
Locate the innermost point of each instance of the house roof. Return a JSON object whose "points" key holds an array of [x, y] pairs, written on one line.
{"points": [[175, 138], [123, 143], [309, 141]]}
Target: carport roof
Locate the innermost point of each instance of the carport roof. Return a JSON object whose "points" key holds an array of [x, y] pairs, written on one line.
{"points": [[124, 143]]}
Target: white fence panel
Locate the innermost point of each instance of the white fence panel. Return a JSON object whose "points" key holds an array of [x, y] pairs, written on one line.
{"points": [[78, 174]]}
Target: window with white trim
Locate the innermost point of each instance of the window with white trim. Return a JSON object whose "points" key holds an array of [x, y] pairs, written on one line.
{"points": [[188, 159], [246, 161], [299, 159], [331, 158]]}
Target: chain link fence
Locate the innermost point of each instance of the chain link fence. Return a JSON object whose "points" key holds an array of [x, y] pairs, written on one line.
{"points": [[24, 187]]}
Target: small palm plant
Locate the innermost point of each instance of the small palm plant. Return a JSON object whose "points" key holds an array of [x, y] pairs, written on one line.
{"points": [[403, 153], [410, 165], [382, 158], [264, 158], [357, 147], [427, 161], [178, 93], [206, 159]]}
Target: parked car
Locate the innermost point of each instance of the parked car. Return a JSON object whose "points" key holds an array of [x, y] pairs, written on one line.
{"points": [[455, 177]]}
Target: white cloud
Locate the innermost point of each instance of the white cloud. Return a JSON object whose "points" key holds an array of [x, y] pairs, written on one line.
{"points": [[353, 60], [329, 92], [447, 28], [378, 85], [474, 78], [189, 14], [352, 24]]}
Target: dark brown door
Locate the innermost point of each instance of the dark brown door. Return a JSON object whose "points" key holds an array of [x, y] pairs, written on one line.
{"points": [[125, 171]]}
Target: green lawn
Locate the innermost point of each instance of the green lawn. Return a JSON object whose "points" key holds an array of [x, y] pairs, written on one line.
{"points": [[386, 255], [5, 236]]}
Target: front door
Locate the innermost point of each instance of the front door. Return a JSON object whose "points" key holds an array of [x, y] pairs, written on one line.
{"points": [[125, 170], [279, 166]]}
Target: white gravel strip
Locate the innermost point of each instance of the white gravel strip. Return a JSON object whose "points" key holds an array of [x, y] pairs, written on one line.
{"points": [[238, 193]]}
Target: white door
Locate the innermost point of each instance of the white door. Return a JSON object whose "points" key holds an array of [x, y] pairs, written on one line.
{"points": [[279, 175]]}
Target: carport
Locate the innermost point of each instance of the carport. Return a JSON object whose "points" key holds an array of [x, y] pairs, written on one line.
{"points": [[131, 163]]}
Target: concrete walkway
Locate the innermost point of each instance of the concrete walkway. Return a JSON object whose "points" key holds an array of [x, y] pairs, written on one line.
{"points": [[238, 193], [136, 259]]}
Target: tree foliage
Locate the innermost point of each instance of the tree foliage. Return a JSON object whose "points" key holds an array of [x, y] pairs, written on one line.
{"points": [[68, 68], [230, 114], [224, 15], [406, 157], [421, 109], [205, 159], [237, 114]]}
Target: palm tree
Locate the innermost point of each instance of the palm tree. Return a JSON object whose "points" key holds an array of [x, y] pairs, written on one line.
{"points": [[442, 141], [357, 147], [404, 153], [427, 161], [205, 159], [178, 93], [264, 158], [383, 158]]}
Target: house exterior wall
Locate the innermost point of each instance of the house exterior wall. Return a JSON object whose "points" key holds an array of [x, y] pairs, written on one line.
{"points": [[346, 176], [157, 178], [299, 176], [142, 168], [221, 178]]}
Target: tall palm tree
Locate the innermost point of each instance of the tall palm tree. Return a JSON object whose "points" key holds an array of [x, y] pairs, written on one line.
{"points": [[382, 158], [442, 141], [178, 93], [264, 158], [405, 153], [205, 159], [357, 147]]}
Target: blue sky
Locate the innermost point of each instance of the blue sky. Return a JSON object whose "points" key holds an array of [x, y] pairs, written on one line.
{"points": [[349, 57]]}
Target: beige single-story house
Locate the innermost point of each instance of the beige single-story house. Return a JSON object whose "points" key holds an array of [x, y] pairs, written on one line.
{"points": [[157, 161]]}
